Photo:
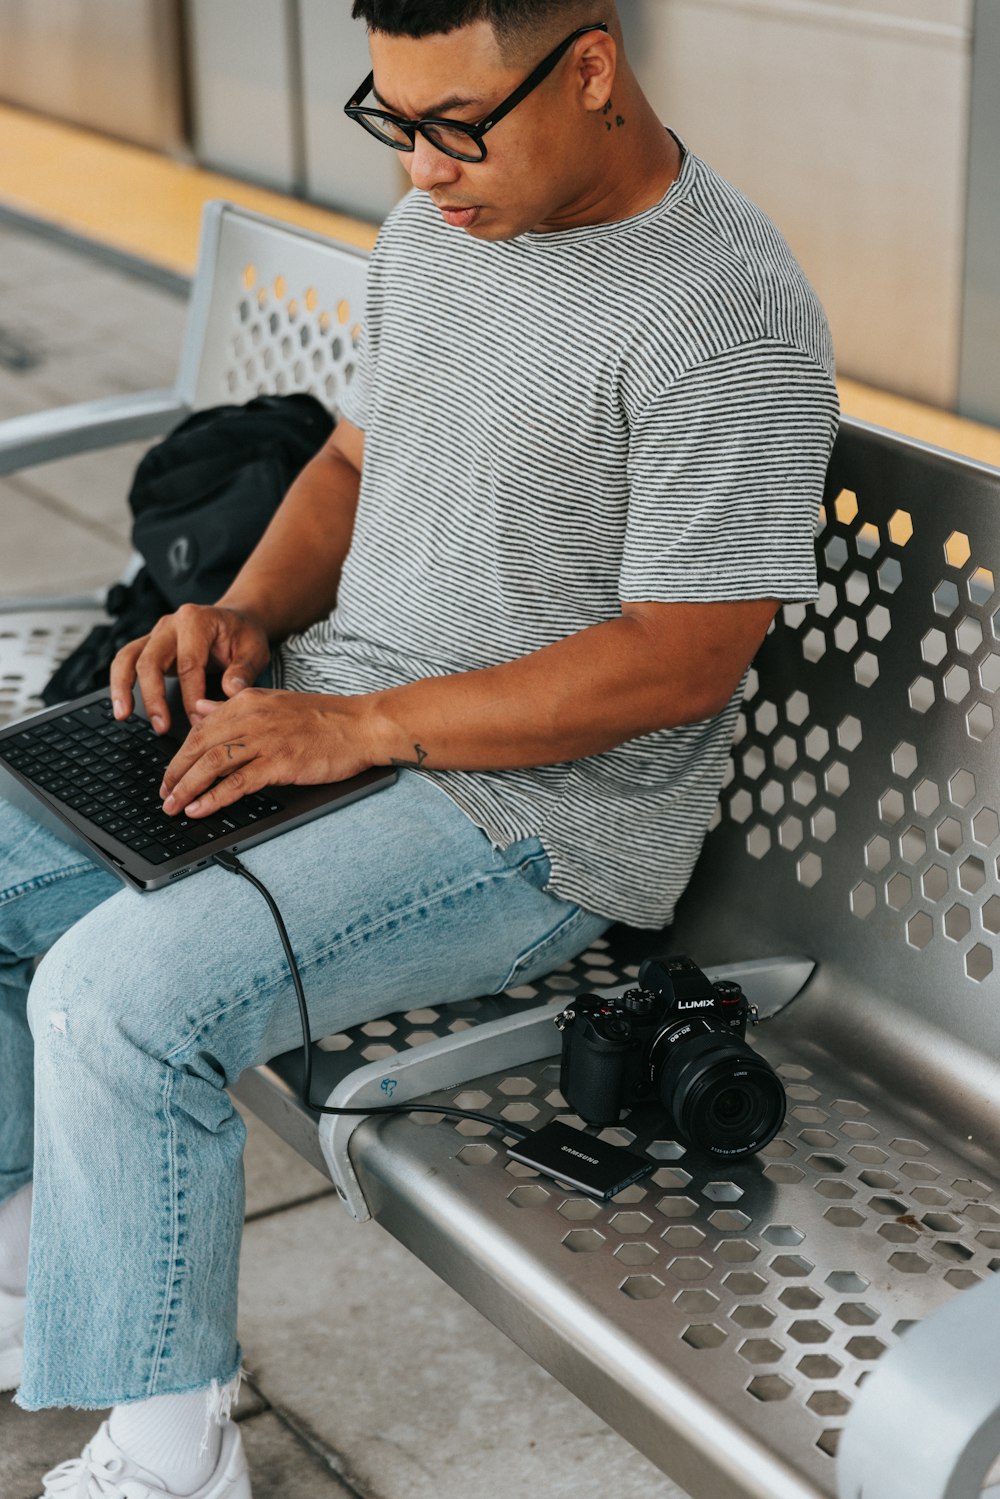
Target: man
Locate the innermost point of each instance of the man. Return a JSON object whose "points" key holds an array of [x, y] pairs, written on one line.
{"points": [[578, 469]]}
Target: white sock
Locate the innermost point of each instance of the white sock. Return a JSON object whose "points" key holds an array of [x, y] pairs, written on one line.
{"points": [[15, 1228], [164, 1435]]}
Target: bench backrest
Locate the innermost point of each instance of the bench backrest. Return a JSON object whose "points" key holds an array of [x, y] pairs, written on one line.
{"points": [[273, 309], [861, 820]]}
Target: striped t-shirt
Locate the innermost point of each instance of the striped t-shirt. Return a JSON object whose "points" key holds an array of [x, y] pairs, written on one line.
{"points": [[633, 411]]}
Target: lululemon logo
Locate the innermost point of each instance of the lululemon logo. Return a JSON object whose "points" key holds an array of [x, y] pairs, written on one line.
{"points": [[181, 557]]}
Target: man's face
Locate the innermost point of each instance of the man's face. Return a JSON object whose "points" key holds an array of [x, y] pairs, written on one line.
{"points": [[531, 172]]}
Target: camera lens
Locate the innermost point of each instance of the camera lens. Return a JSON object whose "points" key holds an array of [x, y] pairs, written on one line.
{"points": [[721, 1096]]}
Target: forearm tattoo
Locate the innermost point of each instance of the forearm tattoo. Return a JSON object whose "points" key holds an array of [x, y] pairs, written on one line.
{"points": [[421, 755]]}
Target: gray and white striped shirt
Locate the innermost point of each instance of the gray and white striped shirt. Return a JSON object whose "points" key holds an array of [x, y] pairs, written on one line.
{"points": [[641, 410]]}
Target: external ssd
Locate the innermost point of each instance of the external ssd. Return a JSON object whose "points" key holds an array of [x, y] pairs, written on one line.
{"points": [[581, 1161]]}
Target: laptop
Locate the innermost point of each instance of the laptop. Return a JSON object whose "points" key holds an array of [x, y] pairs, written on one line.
{"points": [[95, 782]]}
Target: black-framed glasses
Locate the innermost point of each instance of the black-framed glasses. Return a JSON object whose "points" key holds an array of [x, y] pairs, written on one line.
{"points": [[453, 137]]}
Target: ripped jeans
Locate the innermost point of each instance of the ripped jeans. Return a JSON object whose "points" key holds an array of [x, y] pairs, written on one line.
{"points": [[113, 1068]]}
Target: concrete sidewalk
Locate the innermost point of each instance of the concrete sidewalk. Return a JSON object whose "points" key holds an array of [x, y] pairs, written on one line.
{"points": [[368, 1376]]}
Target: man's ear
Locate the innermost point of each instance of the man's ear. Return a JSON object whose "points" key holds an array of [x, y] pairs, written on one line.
{"points": [[596, 67]]}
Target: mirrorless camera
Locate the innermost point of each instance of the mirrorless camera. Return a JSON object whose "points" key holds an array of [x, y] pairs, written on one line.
{"points": [[677, 1040]]}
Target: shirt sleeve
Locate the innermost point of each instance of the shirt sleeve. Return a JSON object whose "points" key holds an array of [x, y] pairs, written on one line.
{"points": [[354, 396], [726, 473]]}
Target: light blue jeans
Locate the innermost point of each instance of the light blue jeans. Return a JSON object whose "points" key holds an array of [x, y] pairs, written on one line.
{"points": [[113, 1067]]}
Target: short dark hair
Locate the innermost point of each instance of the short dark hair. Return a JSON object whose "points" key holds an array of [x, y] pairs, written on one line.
{"points": [[514, 22]]}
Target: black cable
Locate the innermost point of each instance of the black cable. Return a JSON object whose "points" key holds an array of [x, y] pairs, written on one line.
{"points": [[231, 863]]}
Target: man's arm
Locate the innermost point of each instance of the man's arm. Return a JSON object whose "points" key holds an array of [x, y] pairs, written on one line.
{"points": [[289, 581], [291, 577], [655, 666]]}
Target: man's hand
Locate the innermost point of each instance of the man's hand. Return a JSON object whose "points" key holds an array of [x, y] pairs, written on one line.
{"points": [[265, 738], [186, 643]]}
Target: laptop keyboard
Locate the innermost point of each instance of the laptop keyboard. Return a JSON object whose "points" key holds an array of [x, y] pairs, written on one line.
{"points": [[111, 773]]}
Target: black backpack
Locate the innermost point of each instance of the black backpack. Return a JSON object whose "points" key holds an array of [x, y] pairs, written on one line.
{"points": [[201, 500]]}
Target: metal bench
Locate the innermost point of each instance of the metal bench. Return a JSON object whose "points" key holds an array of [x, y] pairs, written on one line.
{"points": [[820, 1319]]}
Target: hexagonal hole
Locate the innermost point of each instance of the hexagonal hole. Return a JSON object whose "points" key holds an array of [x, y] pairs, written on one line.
{"points": [[991, 915], [891, 806], [857, 1314], [769, 1387], [866, 669], [957, 923], [969, 636], [754, 762], [956, 684], [979, 963], [758, 842], [476, 1155], [789, 1265], [846, 506], [719, 1191], [844, 1217], [824, 824], [804, 788], [865, 1348], [934, 882], [829, 1402], [900, 528], [818, 1366], [981, 586], [772, 797], [986, 826], [703, 1335], [836, 778], [957, 549], [752, 1316], [921, 694], [878, 622], [761, 1351], [945, 598], [790, 833], [912, 845], [979, 722], [737, 1251], [729, 1220], [810, 1330], [934, 647], [745, 1283], [696, 1302], [835, 553], [814, 645], [642, 1287], [989, 673], [904, 759], [926, 797], [826, 600], [631, 1223], [948, 835], [863, 900], [867, 540], [809, 870], [909, 1263], [584, 1240], [636, 1254], [857, 589], [845, 634], [676, 1207], [898, 891], [890, 575], [683, 1236], [919, 930], [528, 1197], [579, 1209]]}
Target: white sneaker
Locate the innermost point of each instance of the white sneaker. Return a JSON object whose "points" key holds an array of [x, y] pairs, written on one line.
{"points": [[104, 1472], [11, 1339]]}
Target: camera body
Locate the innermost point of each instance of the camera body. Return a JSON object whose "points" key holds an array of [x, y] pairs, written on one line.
{"points": [[677, 1039]]}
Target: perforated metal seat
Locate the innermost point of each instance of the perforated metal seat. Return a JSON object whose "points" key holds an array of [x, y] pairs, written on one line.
{"points": [[725, 1320]]}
